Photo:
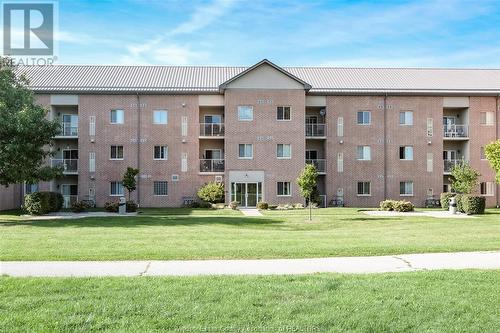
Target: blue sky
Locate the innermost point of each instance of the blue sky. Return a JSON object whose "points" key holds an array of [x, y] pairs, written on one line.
{"points": [[451, 33]]}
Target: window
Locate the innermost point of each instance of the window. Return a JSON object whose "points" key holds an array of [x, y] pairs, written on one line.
{"points": [[406, 188], [406, 153], [116, 188], [117, 152], [175, 178], [364, 188], [364, 153], [283, 189], [483, 154], [160, 188], [430, 127], [30, 188], [245, 151], [284, 150], [340, 126], [92, 125], [487, 118], [364, 117], [117, 117], [184, 162], [488, 189], [92, 161], [184, 126], [161, 152], [245, 113], [430, 162], [406, 118], [340, 162], [282, 113], [430, 193], [160, 117]]}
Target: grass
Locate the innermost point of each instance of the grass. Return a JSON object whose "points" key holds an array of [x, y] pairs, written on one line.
{"points": [[439, 301], [209, 234]]}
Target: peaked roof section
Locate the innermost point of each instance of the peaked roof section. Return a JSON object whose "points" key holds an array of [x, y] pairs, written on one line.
{"points": [[224, 85]]}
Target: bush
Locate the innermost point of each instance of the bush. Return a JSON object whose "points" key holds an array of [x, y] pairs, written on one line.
{"points": [[218, 206], [130, 206], [233, 204], [387, 205], [273, 207], [458, 200], [473, 204], [37, 203], [205, 204], [262, 205], [212, 192], [111, 207], [79, 206], [56, 201], [403, 206], [298, 206], [445, 199]]}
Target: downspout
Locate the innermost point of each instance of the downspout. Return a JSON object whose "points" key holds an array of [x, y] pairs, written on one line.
{"points": [[139, 150], [385, 146], [496, 139]]}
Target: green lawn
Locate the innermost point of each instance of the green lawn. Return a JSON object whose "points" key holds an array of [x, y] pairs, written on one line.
{"points": [[204, 234], [439, 301]]}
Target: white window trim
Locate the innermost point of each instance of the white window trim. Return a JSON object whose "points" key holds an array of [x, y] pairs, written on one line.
{"points": [[493, 186], [412, 154], [405, 124], [117, 159], [160, 159], [245, 158], [284, 106], [160, 195], [160, 110], [286, 157], [412, 189], [364, 195], [364, 124], [364, 159], [117, 123], [284, 195], [238, 109], [116, 195]]}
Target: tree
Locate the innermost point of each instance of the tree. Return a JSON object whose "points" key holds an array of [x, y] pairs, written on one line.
{"points": [[129, 181], [307, 182], [464, 178], [212, 192], [492, 152], [25, 133]]}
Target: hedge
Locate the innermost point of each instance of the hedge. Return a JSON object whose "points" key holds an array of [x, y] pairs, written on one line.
{"points": [[398, 206], [473, 204], [262, 205], [44, 202], [445, 199]]}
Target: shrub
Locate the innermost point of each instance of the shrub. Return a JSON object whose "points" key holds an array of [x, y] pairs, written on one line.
{"points": [[212, 192], [111, 207], [56, 201], [37, 203], [233, 204], [445, 199], [403, 206], [130, 206], [387, 205], [458, 200], [205, 204], [262, 205], [473, 204], [273, 207], [79, 206], [218, 206]]}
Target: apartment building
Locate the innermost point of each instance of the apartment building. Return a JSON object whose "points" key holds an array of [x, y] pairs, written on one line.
{"points": [[372, 133]]}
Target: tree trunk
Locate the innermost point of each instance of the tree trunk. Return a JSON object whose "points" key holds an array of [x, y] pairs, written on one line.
{"points": [[310, 208]]}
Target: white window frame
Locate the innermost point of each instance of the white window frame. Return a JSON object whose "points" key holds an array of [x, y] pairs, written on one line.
{"points": [[430, 162], [184, 162], [116, 158], [489, 189], [430, 127], [283, 112], [184, 126], [165, 153], [31, 186], [283, 150], [245, 149], [340, 162], [340, 127], [283, 187], [406, 150], [92, 161], [366, 150], [111, 189], [117, 111], [369, 194], [155, 187], [489, 118], [369, 118], [407, 182], [482, 154], [155, 112], [407, 118], [221, 153], [241, 108]]}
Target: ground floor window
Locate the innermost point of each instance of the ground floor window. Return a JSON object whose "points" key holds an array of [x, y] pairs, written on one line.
{"points": [[116, 188], [160, 188], [30, 188], [364, 188], [488, 188], [284, 189], [406, 188]]}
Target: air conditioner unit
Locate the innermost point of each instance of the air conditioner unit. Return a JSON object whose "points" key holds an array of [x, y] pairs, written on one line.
{"points": [[175, 178]]}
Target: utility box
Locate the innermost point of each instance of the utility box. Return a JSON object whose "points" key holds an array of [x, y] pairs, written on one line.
{"points": [[453, 206], [122, 206]]}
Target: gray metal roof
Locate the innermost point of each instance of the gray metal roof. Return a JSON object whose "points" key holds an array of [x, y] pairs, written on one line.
{"points": [[207, 79]]}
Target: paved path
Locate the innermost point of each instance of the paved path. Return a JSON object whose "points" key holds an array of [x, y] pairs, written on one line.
{"points": [[433, 213], [250, 212], [396, 263], [70, 215]]}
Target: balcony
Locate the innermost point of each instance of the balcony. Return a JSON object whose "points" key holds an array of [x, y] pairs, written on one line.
{"points": [[315, 130], [319, 164], [70, 166], [68, 130], [449, 164], [212, 130], [212, 165], [459, 132]]}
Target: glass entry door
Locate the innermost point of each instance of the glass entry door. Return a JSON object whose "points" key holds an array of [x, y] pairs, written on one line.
{"points": [[246, 194], [251, 194]]}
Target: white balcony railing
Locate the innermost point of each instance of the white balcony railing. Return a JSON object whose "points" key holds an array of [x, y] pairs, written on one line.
{"points": [[315, 130], [70, 166], [212, 129], [449, 164], [212, 165], [319, 164], [68, 129], [456, 131]]}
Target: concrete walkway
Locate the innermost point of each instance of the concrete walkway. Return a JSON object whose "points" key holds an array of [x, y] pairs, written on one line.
{"points": [[71, 216], [250, 212], [432, 213], [381, 264]]}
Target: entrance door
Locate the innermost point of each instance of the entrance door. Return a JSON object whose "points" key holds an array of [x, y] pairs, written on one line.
{"points": [[311, 154], [251, 194], [246, 194], [449, 155]]}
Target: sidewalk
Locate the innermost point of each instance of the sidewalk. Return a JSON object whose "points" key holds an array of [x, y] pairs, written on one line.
{"points": [[381, 264]]}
